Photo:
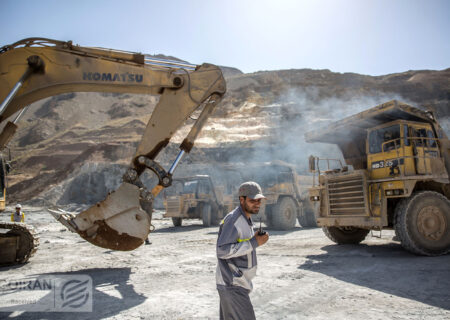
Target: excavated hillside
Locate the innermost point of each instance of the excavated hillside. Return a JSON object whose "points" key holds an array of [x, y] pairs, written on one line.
{"points": [[74, 147]]}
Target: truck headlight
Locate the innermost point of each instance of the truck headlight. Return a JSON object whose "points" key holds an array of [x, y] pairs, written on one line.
{"points": [[394, 192]]}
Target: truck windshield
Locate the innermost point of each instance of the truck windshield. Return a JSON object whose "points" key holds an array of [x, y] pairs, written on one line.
{"points": [[378, 137], [190, 186]]}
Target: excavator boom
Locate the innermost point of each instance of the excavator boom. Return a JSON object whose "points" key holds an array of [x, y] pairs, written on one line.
{"points": [[36, 68]]}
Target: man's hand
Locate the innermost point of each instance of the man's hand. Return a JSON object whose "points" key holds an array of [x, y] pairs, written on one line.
{"points": [[261, 239]]}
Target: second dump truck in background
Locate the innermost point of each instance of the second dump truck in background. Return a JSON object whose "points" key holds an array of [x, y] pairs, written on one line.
{"points": [[207, 199]]}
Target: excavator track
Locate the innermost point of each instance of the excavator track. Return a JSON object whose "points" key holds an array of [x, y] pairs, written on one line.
{"points": [[27, 245]]}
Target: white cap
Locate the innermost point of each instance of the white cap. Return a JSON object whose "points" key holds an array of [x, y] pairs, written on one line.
{"points": [[18, 206]]}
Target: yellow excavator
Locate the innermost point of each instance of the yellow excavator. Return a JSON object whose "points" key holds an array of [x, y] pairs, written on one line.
{"points": [[36, 68]]}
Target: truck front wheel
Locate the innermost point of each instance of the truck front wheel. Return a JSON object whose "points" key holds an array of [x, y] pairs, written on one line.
{"points": [[345, 235], [284, 214], [422, 222], [176, 221], [216, 214], [306, 217], [206, 215]]}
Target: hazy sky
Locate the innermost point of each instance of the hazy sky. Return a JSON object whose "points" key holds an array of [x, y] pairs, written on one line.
{"points": [[362, 36]]}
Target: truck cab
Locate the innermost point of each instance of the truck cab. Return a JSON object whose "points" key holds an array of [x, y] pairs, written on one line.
{"points": [[403, 148]]}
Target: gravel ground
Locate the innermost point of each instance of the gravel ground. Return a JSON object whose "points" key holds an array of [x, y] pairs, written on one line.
{"points": [[301, 275]]}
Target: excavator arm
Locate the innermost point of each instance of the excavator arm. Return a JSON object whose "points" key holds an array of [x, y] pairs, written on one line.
{"points": [[36, 68]]}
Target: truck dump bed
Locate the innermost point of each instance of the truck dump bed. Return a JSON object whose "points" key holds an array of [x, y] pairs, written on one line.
{"points": [[350, 133]]}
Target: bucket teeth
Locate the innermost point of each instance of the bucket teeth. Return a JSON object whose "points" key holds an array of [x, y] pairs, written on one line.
{"points": [[65, 218]]}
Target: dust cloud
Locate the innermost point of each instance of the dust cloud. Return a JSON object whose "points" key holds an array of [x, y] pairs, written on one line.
{"points": [[299, 111]]}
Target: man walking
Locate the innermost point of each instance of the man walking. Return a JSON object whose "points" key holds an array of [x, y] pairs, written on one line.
{"points": [[236, 253], [18, 216]]}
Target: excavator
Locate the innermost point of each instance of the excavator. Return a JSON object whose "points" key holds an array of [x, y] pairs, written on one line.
{"points": [[37, 68]]}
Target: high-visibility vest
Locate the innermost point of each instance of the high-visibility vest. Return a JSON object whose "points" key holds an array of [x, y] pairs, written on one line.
{"points": [[14, 216]]}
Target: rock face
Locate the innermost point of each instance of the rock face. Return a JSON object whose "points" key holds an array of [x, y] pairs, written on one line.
{"points": [[83, 141]]}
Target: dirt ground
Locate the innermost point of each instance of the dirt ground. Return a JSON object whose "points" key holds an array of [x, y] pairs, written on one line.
{"points": [[301, 275]]}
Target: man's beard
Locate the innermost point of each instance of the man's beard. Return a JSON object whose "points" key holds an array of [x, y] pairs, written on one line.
{"points": [[247, 209]]}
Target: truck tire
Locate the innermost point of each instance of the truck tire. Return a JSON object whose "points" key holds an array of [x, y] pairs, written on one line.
{"points": [[284, 214], [345, 235], [311, 215], [422, 223], [307, 218], [268, 213], [302, 218], [216, 214], [176, 221], [399, 207], [206, 215], [311, 219]]}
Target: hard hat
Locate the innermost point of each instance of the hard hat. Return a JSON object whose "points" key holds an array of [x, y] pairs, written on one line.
{"points": [[18, 206]]}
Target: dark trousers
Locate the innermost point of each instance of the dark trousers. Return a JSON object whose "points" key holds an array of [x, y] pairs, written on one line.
{"points": [[235, 304]]}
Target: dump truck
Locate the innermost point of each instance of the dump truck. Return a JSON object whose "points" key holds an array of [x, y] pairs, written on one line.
{"points": [[197, 197], [395, 176]]}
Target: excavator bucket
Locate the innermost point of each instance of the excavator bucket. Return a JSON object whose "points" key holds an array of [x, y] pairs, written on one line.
{"points": [[116, 223]]}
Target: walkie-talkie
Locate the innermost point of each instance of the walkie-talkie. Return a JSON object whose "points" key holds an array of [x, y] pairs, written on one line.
{"points": [[261, 232]]}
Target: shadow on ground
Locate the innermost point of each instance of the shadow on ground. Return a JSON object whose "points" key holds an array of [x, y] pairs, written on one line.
{"points": [[177, 229], [104, 305], [274, 232], [387, 268], [197, 226]]}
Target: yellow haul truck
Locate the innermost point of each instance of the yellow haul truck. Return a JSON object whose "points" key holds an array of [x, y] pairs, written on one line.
{"points": [[400, 178]]}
